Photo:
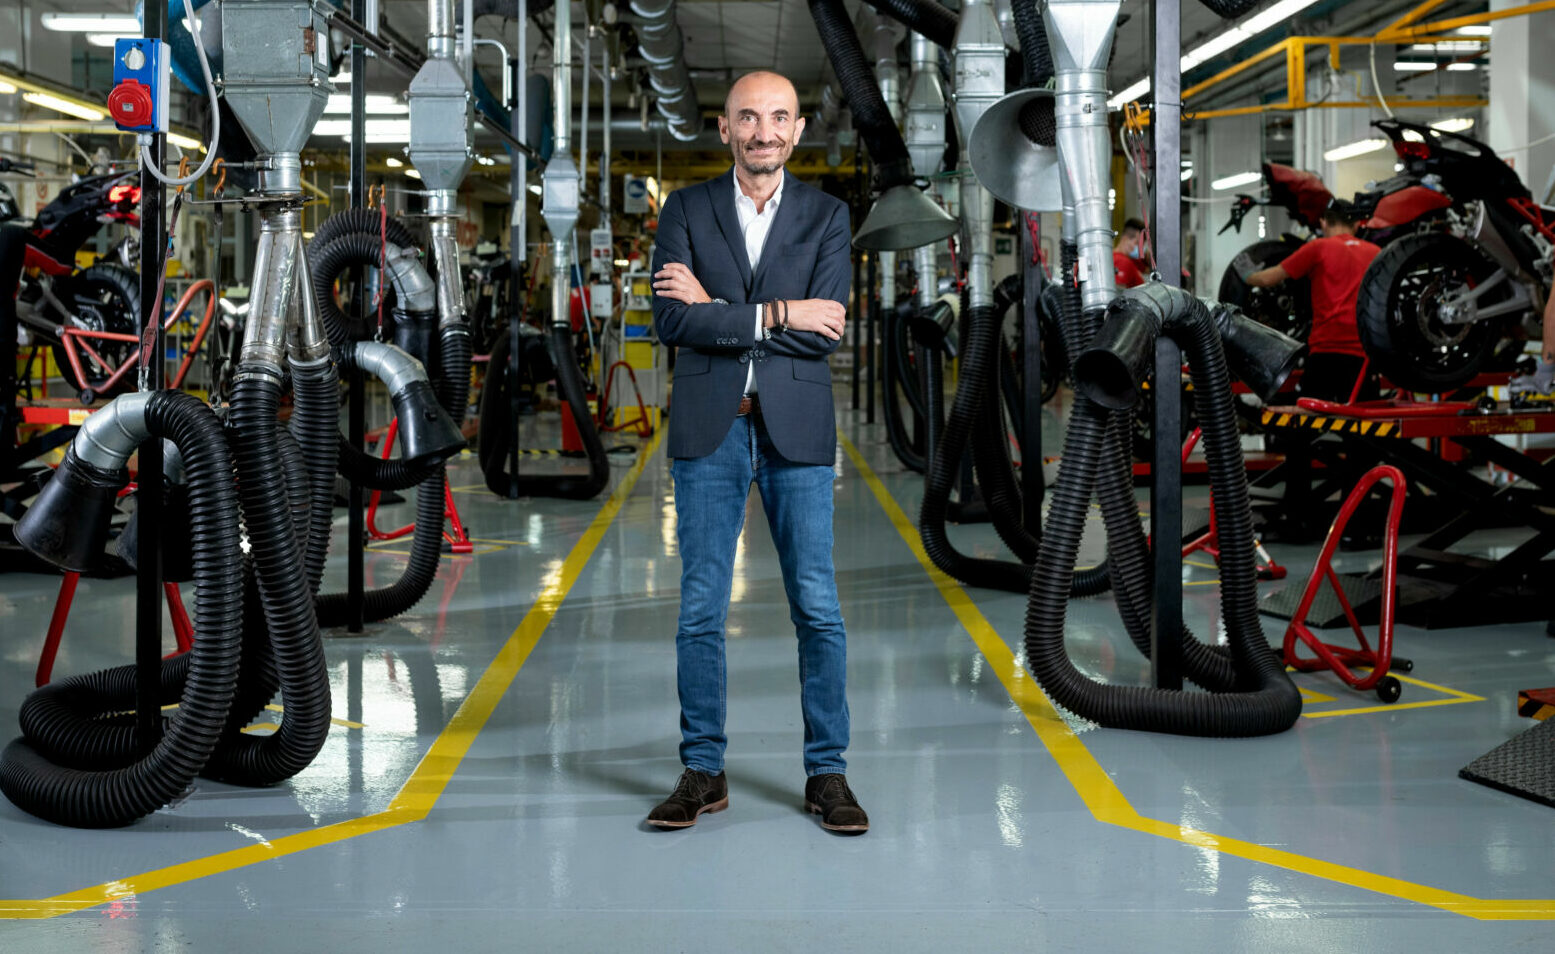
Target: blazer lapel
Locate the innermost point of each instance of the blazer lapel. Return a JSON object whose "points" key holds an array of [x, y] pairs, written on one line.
{"points": [[788, 212], [721, 194]]}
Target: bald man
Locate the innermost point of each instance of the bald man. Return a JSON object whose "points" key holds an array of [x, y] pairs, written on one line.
{"points": [[751, 276]]}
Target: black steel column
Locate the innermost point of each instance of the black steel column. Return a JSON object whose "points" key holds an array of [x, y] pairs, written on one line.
{"points": [[356, 412], [1032, 485], [1166, 235], [148, 493], [860, 193], [870, 274], [517, 256]]}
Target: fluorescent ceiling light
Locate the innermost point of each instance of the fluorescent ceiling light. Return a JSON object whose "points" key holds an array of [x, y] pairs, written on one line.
{"points": [[184, 142], [102, 39], [377, 103], [1412, 66], [64, 106], [1449, 46], [1187, 173], [412, 173], [1461, 67], [1240, 179], [1456, 124], [1479, 29], [123, 24], [393, 163], [1221, 42], [377, 130], [6, 87], [534, 187], [1353, 149]]}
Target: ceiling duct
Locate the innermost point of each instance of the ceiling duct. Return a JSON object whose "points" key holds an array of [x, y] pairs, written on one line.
{"points": [[659, 40]]}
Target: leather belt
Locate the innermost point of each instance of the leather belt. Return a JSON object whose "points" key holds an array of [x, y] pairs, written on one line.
{"points": [[749, 405]]}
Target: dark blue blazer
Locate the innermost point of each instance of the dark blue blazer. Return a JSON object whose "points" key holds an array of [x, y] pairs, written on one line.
{"points": [[806, 256]]}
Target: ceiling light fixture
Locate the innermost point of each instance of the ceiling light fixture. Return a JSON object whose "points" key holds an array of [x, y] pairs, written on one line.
{"points": [[377, 104], [122, 24], [1461, 67], [78, 110], [1231, 182], [393, 163], [412, 173], [1478, 29], [6, 87], [102, 39], [1456, 124], [184, 142], [1413, 66], [1220, 43], [1449, 46], [1353, 149]]}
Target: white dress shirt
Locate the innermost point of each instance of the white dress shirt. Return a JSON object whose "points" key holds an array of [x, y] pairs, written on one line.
{"points": [[754, 226]]}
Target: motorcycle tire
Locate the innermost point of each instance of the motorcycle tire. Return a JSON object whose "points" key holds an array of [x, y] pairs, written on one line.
{"points": [[1287, 307], [1398, 318], [104, 297]]}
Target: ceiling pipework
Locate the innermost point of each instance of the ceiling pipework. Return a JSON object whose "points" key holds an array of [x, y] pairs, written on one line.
{"points": [[659, 40]]}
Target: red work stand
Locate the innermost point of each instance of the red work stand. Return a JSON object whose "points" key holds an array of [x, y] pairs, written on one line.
{"points": [[183, 629], [458, 541], [1209, 541]]}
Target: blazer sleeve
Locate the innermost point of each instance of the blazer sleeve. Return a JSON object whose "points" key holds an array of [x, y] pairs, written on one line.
{"points": [[704, 327], [831, 278]]}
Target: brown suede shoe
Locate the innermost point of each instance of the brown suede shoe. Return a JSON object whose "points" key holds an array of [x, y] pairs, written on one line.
{"points": [[829, 797], [695, 793]]}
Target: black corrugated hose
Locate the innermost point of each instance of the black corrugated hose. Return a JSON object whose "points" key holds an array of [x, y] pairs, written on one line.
{"points": [[1272, 703], [1231, 9], [117, 791], [573, 389], [924, 17], [361, 221], [284, 595], [1036, 118], [887, 151], [316, 426], [894, 380], [326, 264]]}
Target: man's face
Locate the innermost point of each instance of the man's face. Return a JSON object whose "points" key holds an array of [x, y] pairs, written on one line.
{"points": [[761, 122], [1128, 241]]}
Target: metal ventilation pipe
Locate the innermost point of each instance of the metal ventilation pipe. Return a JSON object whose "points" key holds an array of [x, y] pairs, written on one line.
{"points": [[659, 39], [884, 37], [559, 183], [925, 109], [979, 63], [1080, 34]]}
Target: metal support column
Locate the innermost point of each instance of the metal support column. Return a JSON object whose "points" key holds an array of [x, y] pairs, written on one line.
{"points": [[518, 116], [1031, 483], [148, 553], [869, 337], [1166, 233], [859, 190], [356, 411]]}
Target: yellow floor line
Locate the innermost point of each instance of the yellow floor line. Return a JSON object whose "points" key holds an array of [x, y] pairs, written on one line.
{"points": [[424, 786], [1107, 802], [1454, 697]]}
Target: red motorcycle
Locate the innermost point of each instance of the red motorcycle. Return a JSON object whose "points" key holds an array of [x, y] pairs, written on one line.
{"points": [[1398, 207], [102, 299], [1434, 306]]}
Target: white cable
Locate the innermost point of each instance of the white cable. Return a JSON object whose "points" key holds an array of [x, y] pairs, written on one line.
{"points": [[1529, 145], [1376, 87], [146, 160]]}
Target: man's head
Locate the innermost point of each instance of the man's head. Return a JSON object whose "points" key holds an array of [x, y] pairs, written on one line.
{"points": [[1128, 239], [761, 122], [1338, 219]]}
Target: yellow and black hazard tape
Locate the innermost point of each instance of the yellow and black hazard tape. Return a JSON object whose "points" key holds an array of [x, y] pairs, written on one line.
{"points": [[1536, 703], [1335, 425], [548, 452]]}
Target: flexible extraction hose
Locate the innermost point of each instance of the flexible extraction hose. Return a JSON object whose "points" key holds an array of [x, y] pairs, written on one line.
{"points": [[362, 222], [1036, 118], [1271, 702], [887, 151], [894, 379], [924, 17], [1230, 9], [315, 425], [284, 595], [107, 794]]}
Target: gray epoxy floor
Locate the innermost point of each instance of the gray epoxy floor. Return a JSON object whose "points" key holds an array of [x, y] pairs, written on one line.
{"points": [[997, 824]]}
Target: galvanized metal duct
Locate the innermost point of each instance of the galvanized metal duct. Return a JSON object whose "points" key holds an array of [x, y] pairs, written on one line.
{"points": [[659, 40]]}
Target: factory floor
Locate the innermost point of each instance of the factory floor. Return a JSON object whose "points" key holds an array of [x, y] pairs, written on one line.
{"points": [[495, 751]]}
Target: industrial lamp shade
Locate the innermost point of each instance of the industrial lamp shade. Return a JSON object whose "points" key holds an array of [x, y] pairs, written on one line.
{"points": [[1016, 170], [903, 218], [68, 524]]}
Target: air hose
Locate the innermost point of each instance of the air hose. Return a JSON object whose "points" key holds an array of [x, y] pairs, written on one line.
{"points": [[1036, 118], [1230, 9], [1270, 702], [924, 17], [894, 378], [887, 151], [105, 794]]}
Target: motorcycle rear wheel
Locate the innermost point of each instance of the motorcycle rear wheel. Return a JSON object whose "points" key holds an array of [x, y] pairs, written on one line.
{"points": [[1287, 307], [105, 298]]}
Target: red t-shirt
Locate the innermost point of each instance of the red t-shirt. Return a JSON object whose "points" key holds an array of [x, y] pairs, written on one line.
{"points": [[1126, 271], [1336, 266]]}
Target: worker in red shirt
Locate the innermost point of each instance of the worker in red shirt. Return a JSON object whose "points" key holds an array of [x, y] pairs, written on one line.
{"points": [[1126, 254], [1335, 265]]}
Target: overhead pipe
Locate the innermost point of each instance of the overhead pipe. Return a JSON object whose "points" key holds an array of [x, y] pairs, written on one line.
{"points": [[661, 44]]}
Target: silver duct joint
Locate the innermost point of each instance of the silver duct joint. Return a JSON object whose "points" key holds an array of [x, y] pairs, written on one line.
{"points": [[271, 299], [439, 98], [559, 186], [275, 71], [450, 290], [308, 343], [108, 437], [884, 35], [389, 364], [888, 281], [926, 263], [925, 135], [977, 226], [979, 65], [659, 39], [280, 174], [412, 285], [1080, 33]]}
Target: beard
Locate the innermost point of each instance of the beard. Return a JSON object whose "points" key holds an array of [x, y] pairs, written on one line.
{"points": [[766, 165]]}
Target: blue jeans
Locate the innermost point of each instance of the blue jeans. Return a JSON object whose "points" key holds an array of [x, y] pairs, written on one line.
{"points": [[710, 495]]}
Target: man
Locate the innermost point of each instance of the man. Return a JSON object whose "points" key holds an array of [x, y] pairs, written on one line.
{"points": [[1336, 362], [1126, 253], [751, 273]]}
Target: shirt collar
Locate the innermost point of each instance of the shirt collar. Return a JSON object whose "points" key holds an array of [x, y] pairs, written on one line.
{"points": [[772, 203]]}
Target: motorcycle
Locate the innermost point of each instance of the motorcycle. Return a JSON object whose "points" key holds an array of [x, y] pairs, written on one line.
{"points": [[1435, 305], [103, 298]]}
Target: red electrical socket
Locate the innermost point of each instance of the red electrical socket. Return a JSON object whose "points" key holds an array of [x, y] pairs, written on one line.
{"points": [[130, 104]]}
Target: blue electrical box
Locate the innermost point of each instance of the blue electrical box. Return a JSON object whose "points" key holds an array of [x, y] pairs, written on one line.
{"points": [[138, 101]]}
